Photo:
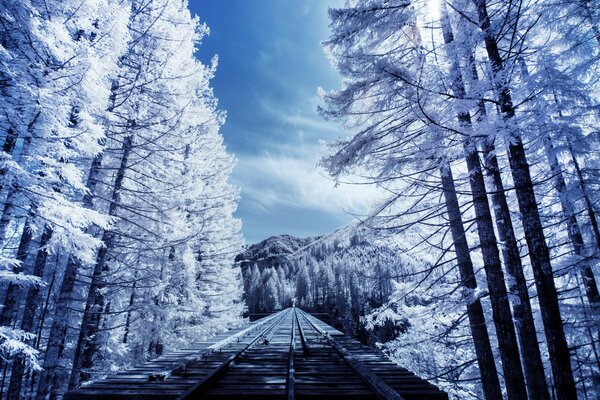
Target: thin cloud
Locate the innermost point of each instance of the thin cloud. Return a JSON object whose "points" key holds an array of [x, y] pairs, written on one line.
{"points": [[294, 180]]}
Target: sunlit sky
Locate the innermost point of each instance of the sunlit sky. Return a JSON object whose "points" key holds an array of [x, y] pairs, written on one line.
{"points": [[270, 66]]}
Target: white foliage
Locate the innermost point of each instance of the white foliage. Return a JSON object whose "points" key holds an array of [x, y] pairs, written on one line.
{"points": [[12, 342]]}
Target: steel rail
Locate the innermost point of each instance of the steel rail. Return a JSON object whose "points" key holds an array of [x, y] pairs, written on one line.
{"points": [[305, 348], [291, 379], [266, 333], [194, 357], [381, 389]]}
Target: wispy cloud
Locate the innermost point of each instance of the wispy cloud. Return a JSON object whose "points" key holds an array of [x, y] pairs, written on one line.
{"points": [[301, 116], [271, 181], [271, 64], [288, 175]]}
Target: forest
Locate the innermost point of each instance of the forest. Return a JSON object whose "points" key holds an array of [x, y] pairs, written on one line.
{"points": [[477, 119], [346, 274], [117, 220]]}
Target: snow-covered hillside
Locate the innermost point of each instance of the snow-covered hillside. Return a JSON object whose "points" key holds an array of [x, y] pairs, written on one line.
{"points": [[347, 274]]}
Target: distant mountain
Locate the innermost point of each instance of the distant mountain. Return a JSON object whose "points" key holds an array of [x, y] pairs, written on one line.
{"points": [[346, 274], [273, 251], [280, 249]]}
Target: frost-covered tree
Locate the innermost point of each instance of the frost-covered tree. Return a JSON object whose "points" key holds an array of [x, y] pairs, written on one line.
{"points": [[172, 158], [253, 287], [374, 71], [303, 287], [426, 92], [55, 61], [115, 185]]}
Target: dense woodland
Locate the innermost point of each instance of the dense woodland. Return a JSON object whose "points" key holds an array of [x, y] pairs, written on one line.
{"points": [[116, 225], [346, 274], [480, 120]]}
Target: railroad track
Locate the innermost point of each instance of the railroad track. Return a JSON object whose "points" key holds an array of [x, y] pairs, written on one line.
{"points": [[290, 354]]}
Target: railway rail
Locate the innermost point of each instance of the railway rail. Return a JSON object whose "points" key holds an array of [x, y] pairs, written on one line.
{"points": [[288, 355]]}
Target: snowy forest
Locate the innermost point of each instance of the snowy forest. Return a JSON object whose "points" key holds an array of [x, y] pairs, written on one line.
{"points": [[477, 119], [117, 229], [480, 120], [347, 274]]}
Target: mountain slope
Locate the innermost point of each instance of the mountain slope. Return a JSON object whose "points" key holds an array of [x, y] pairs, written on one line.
{"points": [[346, 273]]}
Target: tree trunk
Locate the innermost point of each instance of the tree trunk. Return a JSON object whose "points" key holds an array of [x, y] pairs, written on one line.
{"points": [[9, 309], [534, 234], [10, 141], [44, 310], [31, 305], [128, 318], [8, 147], [595, 372], [584, 190], [88, 343], [533, 367], [54, 373], [503, 321], [537, 388], [477, 324], [573, 229], [8, 314], [11, 196]]}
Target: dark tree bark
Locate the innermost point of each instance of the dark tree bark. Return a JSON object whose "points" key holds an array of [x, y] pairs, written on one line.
{"points": [[588, 275], [44, 310], [534, 233], [54, 372], [573, 229], [54, 369], [8, 313], [88, 344], [31, 305], [11, 196], [503, 321], [10, 141], [477, 324], [535, 378], [537, 387], [8, 147], [128, 318], [584, 190]]}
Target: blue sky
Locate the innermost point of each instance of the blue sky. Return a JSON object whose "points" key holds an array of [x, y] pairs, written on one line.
{"points": [[270, 66]]}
